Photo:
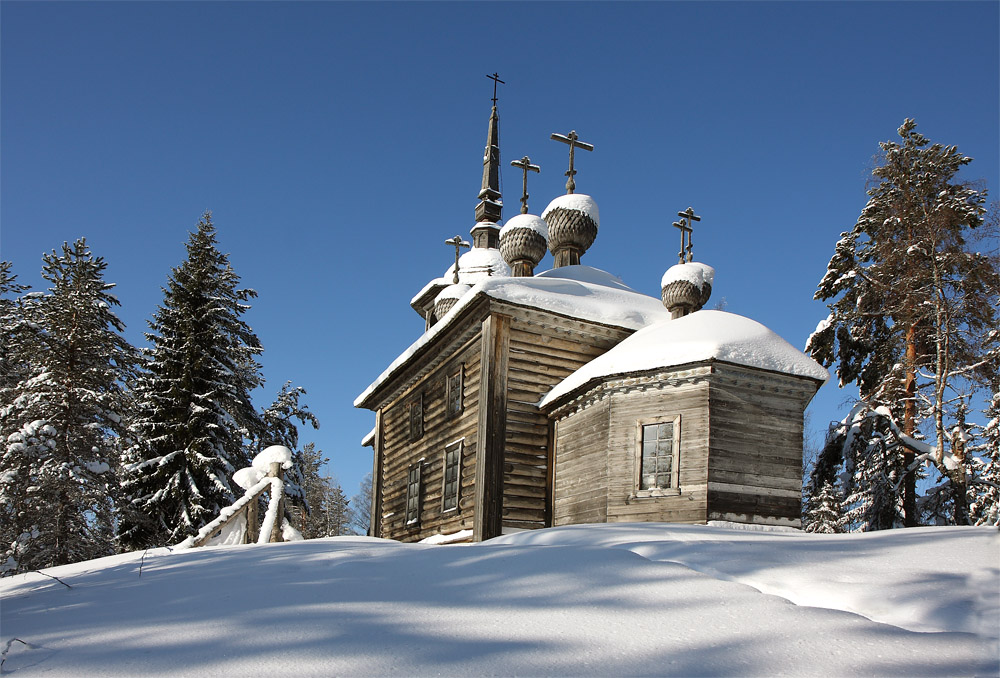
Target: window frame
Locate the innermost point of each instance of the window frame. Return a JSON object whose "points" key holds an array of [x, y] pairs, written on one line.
{"points": [[415, 412], [459, 375], [414, 482], [458, 445], [675, 488]]}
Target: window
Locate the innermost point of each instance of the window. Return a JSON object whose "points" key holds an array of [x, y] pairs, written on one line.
{"points": [[452, 475], [657, 457], [417, 417], [454, 394], [413, 495]]}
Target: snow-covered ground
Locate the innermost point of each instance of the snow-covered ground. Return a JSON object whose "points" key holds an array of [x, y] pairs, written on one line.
{"points": [[635, 599]]}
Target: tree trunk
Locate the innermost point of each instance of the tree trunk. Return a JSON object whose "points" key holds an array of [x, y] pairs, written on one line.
{"points": [[909, 426]]}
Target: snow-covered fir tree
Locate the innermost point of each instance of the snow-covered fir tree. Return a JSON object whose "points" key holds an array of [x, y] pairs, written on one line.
{"points": [[913, 310], [277, 427], [194, 417], [984, 505], [60, 430], [823, 511]]}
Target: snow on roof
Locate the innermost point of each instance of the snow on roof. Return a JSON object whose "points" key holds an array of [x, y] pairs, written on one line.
{"points": [[580, 292], [700, 336], [528, 221], [693, 272], [456, 291], [436, 282], [477, 264], [576, 201]]}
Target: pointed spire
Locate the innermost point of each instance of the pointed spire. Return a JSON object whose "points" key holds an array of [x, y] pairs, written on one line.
{"points": [[490, 206]]}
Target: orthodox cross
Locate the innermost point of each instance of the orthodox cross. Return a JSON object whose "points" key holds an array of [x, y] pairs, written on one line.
{"points": [[574, 143], [525, 165], [687, 217], [495, 78], [458, 244]]}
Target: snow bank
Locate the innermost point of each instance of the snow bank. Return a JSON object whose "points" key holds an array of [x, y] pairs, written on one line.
{"points": [[621, 600], [699, 336]]}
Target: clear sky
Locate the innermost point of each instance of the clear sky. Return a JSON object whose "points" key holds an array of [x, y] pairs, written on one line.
{"points": [[339, 144]]}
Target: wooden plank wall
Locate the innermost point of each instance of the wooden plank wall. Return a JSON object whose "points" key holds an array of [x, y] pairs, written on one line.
{"points": [[544, 350], [659, 402], [755, 472], [439, 431], [581, 466]]}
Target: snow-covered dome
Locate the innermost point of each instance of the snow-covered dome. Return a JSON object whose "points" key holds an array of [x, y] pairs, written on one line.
{"points": [[478, 264], [524, 240], [573, 220], [448, 297], [698, 337], [686, 287]]}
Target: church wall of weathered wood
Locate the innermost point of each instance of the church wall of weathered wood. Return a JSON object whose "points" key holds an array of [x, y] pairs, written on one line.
{"points": [[598, 449], [401, 451], [544, 350], [755, 468]]}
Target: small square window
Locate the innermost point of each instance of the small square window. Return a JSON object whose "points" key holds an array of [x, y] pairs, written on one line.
{"points": [[658, 446], [413, 495], [417, 417], [452, 475]]}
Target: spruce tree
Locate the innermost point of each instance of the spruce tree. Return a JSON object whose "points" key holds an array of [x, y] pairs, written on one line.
{"points": [[277, 427], [194, 417], [823, 514], [984, 506], [60, 432], [911, 304]]}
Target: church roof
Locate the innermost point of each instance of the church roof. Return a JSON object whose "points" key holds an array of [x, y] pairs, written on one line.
{"points": [[697, 337], [579, 292]]}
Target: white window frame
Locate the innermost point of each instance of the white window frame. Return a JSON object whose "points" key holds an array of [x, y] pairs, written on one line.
{"points": [[674, 488]]}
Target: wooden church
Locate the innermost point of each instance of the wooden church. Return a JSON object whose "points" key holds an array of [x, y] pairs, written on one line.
{"points": [[564, 397]]}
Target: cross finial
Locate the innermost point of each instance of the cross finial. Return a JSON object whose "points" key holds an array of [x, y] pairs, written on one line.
{"points": [[685, 225], [526, 166], [574, 143], [458, 244], [495, 78]]}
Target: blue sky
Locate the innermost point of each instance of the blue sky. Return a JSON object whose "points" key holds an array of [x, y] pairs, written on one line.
{"points": [[339, 144]]}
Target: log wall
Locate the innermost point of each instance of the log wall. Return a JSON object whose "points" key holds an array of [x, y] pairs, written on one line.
{"points": [[755, 468]]}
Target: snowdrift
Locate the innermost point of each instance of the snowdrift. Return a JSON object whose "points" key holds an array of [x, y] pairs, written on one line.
{"points": [[635, 599]]}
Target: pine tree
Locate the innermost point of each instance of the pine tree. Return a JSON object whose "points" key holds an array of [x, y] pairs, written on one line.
{"points": [[61, 430], [194, 417], [823, 515], [907, 296]]}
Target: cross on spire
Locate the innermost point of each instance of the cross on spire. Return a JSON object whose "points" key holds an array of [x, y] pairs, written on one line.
{"points": [[526, 166], [458, 244], [495, 78], [685, 225], [574, 143]]}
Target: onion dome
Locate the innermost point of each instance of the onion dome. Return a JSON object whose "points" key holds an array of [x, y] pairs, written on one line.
{"points": [[448, 297], [478, 264], [685, 288], [572, 220], [523, 241]]}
